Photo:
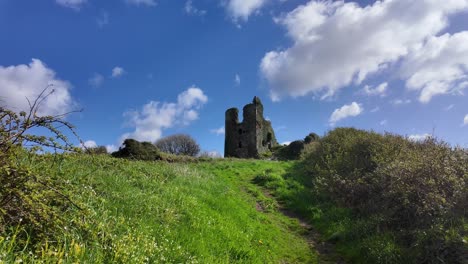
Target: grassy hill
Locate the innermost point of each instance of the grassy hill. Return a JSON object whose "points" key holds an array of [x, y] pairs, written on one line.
{"points": [[152, 212], [353, 195]]}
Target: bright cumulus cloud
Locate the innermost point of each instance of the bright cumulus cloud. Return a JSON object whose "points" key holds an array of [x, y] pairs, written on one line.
{"points": [[20, 83], [154, 117], [440, 66], [242, 9], [337, 43], [353, 109], [465, 120]]}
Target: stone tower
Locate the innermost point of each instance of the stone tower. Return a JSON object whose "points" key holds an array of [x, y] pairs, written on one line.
{"points": [[250, 138]]}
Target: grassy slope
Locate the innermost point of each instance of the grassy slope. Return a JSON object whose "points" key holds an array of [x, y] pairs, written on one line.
{"points": [[136, 212]]}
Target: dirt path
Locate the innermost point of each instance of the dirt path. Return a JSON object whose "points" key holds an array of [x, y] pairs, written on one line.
{"points": [[325, 250]]}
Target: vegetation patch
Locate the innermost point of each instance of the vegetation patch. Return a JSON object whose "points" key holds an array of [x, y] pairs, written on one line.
{"points": [[382, 198], [150, 212]]}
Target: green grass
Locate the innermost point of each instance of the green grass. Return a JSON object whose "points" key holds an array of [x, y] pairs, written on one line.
{"points": [[356, 239], [205, 211], [156, 212]]}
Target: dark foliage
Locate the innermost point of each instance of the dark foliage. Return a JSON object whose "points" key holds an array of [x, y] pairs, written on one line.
{"points": [[415, 190], [312, 137], [292, 151], [179, 144], [96, 150], [133, 149]]}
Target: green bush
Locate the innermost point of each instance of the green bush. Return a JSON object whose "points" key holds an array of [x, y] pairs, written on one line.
{"points": [[96, 150], [414, 189], [309, 149], [290, 152], [31, 201], [312, 137], [136, 150], [296, 149]]}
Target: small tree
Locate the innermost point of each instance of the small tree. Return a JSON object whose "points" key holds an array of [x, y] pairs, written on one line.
{"points": [[179, 144]]}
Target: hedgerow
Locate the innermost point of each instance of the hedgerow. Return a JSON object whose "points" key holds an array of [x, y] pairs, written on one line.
{"points": [[416, 191]]}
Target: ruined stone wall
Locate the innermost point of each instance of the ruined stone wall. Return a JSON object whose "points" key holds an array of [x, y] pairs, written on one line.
{"points": [[250, 138]]}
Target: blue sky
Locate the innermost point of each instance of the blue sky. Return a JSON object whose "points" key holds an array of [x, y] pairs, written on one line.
{"points": [[150, 68]]}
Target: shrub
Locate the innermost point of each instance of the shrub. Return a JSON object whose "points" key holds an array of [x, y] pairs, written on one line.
{"points": [[312, 137], [31, 201], [290, 152], [133, 149], [296, 149], [179, 144], [414, 189], [96, 150], [309, 149]]}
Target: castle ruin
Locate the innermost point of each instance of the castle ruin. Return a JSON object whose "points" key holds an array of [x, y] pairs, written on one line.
{"points": [[250, 138]]}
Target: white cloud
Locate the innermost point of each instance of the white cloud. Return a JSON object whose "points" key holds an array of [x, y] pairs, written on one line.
{"points": [[218, 131], [117, 72], [192, 10], [73, 4], [383, 122], [111, 148], [353, 109], [379, 90], [440, 66], [400, 101], [103, 19], [419, 137], [27, 81], [337, 43], [192, 97], [237, 79], [189, 116], [465, 120], [286, 143], [89, 144], [242, 9], [97, 80], [154, 117], [141, 2]]}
